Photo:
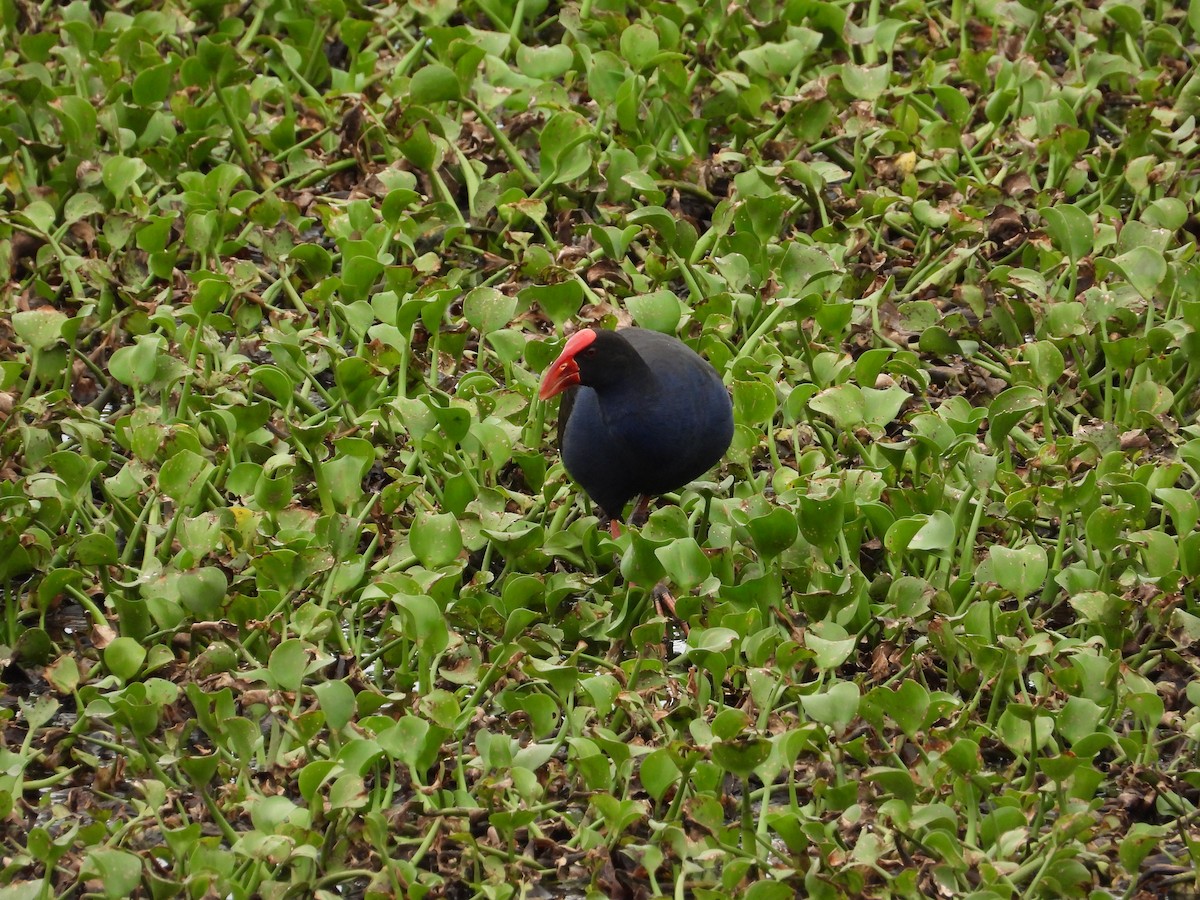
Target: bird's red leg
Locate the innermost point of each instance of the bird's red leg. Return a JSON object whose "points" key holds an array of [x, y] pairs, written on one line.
{"points": [[614, 528], [641, 511], [666, 606]]}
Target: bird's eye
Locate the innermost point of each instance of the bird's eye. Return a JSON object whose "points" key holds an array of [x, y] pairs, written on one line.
{"points": [[590, 351]]}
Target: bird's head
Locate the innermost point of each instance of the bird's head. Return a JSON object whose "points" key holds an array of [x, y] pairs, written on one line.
{"points": [[564, 371], [593, 357], [597, 358]]}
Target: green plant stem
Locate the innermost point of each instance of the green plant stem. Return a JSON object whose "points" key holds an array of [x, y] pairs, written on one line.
{"points": [[501, 139], [237, 135]]}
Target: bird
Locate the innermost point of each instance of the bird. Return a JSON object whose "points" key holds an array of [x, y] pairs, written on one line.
{"points": [[642, 414]]}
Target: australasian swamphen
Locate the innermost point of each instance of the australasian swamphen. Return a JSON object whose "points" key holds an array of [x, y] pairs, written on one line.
{"points": [[642, 414]]}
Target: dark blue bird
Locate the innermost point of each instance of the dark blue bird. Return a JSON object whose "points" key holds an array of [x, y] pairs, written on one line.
{"points": [[642, 415]]}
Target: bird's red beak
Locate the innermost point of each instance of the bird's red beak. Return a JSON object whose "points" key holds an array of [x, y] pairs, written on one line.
{"points": [[564, 371]]}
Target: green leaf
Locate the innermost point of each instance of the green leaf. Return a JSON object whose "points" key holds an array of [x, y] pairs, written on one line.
{"points": [[729, 723], [418, 147], [639, 45], [754, 403], [81, 206], [455, 421], [1045, 362], [1144, 268], [1105, 528], [121, 173], [881, 407], [183, 476], [781, 58], [1169, 213], [1079, 718], [606, 75], [1008, 409], [658, 773], [1139, 841], [546, 63], [713, 640], [741, 757], [118, 873], [999, 104], [659, 311], [773, 532], [78, 122], [1021, 572], [153, 84], [203, 591], [288, 664], [656, 217], [560, 302], [124, 657], [337, 702], [436, 540], [909, 706], [433, 84], [769, 890], [566, 147], [836, 707], [39, 329], [937, 341], [1024, 729], [844, 404], [423, 623], [41, 216], [830, 645], [684, 562], [865, 82], [901, 534], [963, 757], [136, 365], [937, 533], [821, 520], [488, 310], [34, 647], [1182, 505], [96, 549], [1070, 229]]}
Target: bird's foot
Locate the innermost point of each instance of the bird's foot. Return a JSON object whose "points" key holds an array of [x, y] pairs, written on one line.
{"points": [[666, 606], [641, 511]]}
